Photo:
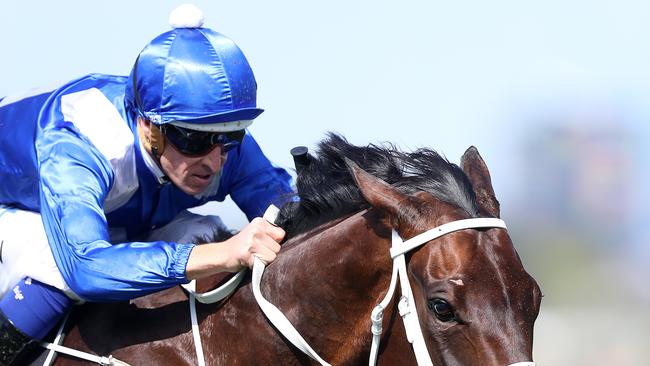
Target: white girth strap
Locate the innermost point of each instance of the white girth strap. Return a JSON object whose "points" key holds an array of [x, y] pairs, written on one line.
{"points": [[104, 361], [56, 347]]}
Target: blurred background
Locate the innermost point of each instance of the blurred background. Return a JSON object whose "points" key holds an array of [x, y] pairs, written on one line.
{"points": [[554, 94]]}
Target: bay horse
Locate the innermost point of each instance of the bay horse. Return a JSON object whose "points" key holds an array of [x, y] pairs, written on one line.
{"points": [[476, 304]]}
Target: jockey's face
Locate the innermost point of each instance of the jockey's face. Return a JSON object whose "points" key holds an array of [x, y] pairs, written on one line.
{"points": [[192, 174]]}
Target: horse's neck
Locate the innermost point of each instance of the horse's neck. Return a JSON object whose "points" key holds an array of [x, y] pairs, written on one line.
{"points": [[326, 282]]}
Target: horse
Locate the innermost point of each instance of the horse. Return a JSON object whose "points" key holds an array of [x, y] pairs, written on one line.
{"points": [[475, 302]]}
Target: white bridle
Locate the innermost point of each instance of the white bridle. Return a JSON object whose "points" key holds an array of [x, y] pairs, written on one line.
{"points": [[406, 305]]}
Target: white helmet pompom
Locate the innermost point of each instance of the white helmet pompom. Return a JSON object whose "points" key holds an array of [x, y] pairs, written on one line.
{"points": [[186, 16]]}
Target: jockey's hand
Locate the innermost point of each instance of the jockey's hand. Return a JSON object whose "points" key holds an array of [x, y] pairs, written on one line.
{"points": [[257, 239]]}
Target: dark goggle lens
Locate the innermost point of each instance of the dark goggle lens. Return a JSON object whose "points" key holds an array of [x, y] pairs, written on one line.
{"points": [[195, 143]]}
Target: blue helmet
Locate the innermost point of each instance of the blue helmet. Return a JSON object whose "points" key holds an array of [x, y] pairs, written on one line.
{"points": [[193, 76]]}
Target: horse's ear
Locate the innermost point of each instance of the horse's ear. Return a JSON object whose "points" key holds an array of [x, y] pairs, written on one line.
{"points": [[377, 192], [479, 175]]}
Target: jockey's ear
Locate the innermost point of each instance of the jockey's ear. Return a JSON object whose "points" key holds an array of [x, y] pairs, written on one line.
{"points": [[151, 137], [479, 175], [377, 192]]}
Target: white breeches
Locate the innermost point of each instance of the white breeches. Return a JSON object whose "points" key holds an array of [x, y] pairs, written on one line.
{"points": [[25, 252]]}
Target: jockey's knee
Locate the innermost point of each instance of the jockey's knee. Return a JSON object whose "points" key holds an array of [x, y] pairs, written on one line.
{"points": [[28, 311], [34, 308]]}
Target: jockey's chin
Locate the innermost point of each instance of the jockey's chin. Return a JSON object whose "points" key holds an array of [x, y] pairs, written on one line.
{"points": [[192, 175]]}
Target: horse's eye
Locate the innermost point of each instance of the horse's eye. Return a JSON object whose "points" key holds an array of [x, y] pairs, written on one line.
{"points": [[442, 309]]}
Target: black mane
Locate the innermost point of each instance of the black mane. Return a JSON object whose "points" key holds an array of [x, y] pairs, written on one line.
{"points": [[327, 190]]}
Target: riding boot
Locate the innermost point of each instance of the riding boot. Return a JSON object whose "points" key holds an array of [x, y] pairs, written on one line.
{"points": [[14, 345]]}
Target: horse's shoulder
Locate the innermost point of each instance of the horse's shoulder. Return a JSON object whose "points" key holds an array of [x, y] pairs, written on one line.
{"points": [[159, 299]]}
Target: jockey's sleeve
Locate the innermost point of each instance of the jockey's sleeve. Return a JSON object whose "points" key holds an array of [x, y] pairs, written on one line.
{"points": [[252, 181], [74, 180]]}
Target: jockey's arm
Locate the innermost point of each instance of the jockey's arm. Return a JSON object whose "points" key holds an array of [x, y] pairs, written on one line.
{"points": [[74, 181]]}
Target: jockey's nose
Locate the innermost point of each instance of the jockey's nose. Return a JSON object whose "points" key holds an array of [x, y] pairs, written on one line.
{"points": [[214, 159]]}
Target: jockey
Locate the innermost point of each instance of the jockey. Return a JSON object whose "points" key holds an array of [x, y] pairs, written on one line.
{"points": [[89, 170]]}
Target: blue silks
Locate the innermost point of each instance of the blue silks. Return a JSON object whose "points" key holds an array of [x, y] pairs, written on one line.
{"points": [[34, 308], [73, 155]]}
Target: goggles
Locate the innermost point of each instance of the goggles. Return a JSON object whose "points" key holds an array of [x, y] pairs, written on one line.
{"points": [[197, 143]]}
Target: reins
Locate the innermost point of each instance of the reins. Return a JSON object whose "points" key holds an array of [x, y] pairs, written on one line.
{"points": [[406, 305], [209, 297], [274, 315]]}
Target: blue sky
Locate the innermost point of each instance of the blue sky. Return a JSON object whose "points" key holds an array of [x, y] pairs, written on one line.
{"points": [[445, 75]]}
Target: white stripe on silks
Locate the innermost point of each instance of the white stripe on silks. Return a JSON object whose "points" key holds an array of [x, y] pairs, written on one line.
{"points": [[98, 119]]}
